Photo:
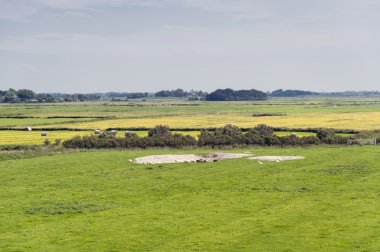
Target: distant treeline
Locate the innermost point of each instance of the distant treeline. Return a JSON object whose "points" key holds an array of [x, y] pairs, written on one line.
{"points": [[238, 95], [136, 95], [295, 93], [291, 93], [229, 135], [26, 95], [180, 93]]}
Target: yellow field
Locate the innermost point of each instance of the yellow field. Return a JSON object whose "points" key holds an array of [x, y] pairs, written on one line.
{"points": [[358, 121], [12, 137]]}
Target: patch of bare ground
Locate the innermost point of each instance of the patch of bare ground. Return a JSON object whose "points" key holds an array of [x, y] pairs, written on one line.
{"points": [[188, 158]]}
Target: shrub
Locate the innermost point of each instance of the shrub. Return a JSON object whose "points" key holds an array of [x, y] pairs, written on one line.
{"points": [[229, 135], [57, 141], [263, 130], [47, 142], [325, 133], [160, 130], [158, 137]]}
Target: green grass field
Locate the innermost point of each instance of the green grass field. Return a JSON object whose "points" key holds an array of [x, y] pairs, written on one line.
{"points": [[61, 200], [23, 122], [99, 201]]}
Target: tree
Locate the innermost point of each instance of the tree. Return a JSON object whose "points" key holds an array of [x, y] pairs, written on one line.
{"points": [[25, 94], [45, 98], [160, 130], [261, 135], [291, 93], [325, 133], [173, 93], [262, 130], [239, 95], [11, 96]]}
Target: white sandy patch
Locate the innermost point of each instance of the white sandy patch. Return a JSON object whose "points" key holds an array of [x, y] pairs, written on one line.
{"points": [[276, 158], [188, 158]]}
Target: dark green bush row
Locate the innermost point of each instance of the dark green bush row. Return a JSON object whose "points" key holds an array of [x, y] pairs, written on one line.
{"points": [[17, 117], [267, 114], [55, 117], [159, 136], [78, 117], [311, 130], [44, 129], [264, 135], [229, 135]]}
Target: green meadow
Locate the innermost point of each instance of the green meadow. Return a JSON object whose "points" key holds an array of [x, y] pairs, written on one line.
{"points": [[100, 201], [54, 199]]}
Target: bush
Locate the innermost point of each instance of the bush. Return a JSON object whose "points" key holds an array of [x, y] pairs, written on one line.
{"points": [[159, 130], [229, 135], [58, 141], [325, 133], [160, 136]]}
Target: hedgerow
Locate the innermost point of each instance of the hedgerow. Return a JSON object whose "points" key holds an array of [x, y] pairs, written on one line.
{"points": [[229, 135]]}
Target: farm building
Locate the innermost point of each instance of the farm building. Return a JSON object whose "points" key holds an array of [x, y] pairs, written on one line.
{"points": [[28, 128]]}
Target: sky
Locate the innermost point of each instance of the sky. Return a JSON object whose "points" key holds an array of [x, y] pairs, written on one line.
{"points": [[149, 45]]}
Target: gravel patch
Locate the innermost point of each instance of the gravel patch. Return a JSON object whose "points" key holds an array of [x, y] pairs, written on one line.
{"points": [[188, 158]]}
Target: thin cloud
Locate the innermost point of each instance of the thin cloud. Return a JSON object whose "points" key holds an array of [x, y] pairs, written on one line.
{"points": [[264, 44]]}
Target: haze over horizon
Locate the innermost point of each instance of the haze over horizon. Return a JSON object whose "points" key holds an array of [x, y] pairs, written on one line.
{"points": [[148, 45]]}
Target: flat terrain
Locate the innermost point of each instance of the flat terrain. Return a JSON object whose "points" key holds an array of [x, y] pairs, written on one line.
{"points": [[312, 112], [341, 113], [12, 137], [99, 201]]}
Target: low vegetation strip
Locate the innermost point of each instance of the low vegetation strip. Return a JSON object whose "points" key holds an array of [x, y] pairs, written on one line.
{"points": [[52, 117], [267, 114], [42, 129], [229, 135], [277, 129]]}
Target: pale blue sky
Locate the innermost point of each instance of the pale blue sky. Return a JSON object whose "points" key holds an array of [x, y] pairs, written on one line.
{"points": [[149, 45]]}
